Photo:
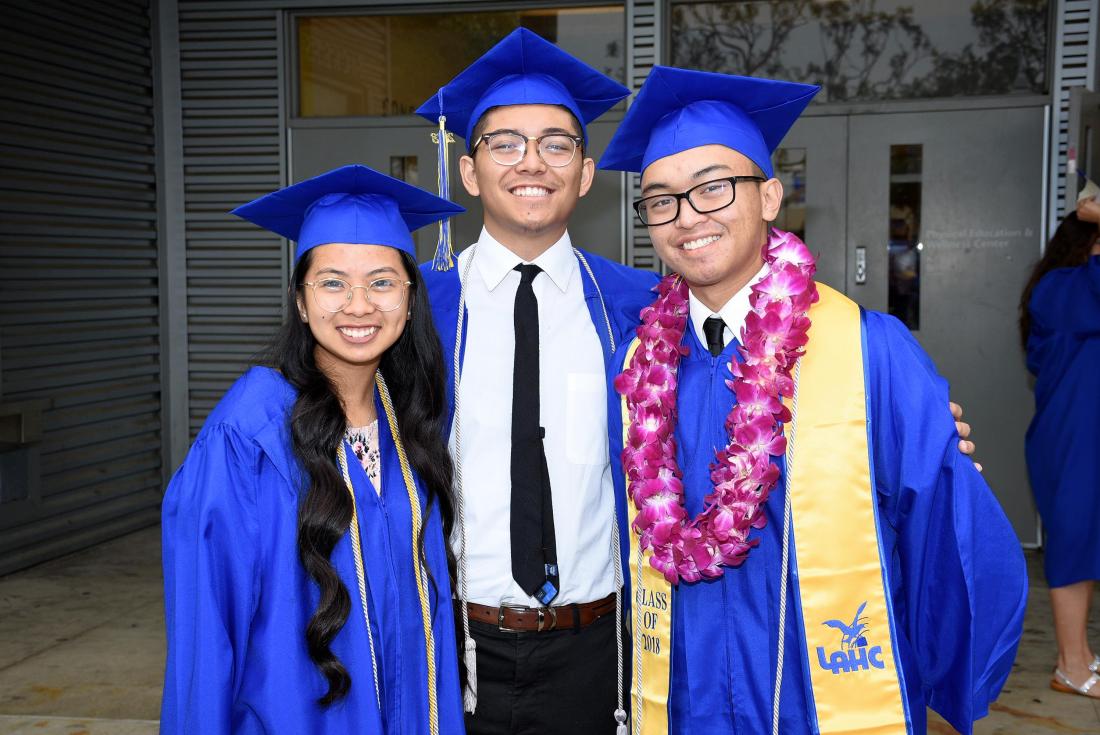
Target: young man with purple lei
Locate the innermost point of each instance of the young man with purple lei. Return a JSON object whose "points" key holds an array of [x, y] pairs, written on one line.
{"points": [[808, 551]]}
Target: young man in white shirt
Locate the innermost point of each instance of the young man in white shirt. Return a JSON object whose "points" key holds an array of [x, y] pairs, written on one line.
{"points": [[536, 536]]}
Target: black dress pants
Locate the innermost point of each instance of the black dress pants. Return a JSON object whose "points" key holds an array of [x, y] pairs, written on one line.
{"points": [[560, 681]]}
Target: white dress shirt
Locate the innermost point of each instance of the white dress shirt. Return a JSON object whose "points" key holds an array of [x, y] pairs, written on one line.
{"points": [[733, 313], [573, 411]]}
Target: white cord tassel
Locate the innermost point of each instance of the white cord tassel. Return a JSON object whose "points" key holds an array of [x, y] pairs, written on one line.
{"points": [[788, 471], [469, 645], [469, 694], [620, 713], [621, 728]]}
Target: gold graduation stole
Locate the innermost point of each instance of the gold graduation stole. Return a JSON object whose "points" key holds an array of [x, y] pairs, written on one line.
{"points": [[847, 628]]}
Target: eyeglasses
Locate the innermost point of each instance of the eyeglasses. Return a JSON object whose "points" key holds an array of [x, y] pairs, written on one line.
{"points": [[710, 196], [334, 294], [508, 148]]}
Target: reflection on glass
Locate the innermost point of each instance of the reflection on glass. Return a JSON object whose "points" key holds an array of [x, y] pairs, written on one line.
{"points": [[406, 169], [389, 64], [905, 244], [790, 169], [868, 49]]}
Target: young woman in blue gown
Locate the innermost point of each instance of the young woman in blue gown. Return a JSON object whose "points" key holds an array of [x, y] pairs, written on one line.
{"points": [[306, 575], [1060, 327]]}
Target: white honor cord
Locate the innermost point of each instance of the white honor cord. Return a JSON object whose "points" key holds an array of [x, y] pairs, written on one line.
{"points": [[616, 549], [785, 562], [603, 306], [469, 647]]}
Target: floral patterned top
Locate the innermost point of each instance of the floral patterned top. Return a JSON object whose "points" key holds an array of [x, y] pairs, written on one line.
{"points": [[364, 442]]}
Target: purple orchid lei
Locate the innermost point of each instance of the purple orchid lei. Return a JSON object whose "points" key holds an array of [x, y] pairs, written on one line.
{"points": [[743, 474]]}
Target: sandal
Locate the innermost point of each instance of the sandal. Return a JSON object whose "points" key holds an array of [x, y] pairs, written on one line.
{"points": [[1094, 667], [1062, 683]]}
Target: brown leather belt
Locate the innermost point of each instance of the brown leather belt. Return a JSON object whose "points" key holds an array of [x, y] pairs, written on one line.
{"points": [[516, 619]]}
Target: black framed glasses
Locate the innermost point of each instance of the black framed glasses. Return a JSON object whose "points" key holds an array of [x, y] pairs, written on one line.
{"points": [[709, 196], [334, 294], [508, 148]]}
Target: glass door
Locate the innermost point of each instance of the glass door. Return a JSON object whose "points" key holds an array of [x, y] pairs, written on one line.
{"points": [[945, 213], [813, 166]]}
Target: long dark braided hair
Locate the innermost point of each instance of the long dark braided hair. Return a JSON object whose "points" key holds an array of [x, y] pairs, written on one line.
{"points": [[1068, 248], [413, 367]]}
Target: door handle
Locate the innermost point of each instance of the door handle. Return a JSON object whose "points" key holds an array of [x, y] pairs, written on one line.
{"points": [[861, 265]]}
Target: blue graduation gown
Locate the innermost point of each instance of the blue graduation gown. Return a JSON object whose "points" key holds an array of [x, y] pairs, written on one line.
{"points": [[625, 292], [237, 599], [1063, 441], [956, 571]]}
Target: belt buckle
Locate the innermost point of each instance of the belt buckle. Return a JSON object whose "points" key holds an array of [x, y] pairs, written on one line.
{"points": [[519, 609], [542, 618]]}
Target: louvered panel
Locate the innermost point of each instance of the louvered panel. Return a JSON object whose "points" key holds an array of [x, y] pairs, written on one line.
{"points": [[44, 384], [103, 412], [88, 397], [1075, 63], [82, 357], [124, 443], [231, 137], [72, 525], [643, 28], [92, 481], [27, 336], [79, 334]]}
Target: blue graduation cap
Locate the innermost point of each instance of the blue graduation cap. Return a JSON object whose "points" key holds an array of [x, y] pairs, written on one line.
{"points": [[678, 109], [523, 69], [351, 204]]}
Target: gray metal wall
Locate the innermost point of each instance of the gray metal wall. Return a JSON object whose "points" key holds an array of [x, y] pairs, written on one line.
{"points": [[645, 20], [79, 366], [232, 127]]}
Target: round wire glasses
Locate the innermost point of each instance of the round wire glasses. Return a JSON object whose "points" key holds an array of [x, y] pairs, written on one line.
{"points": [[334, 294], [709, 196], [508, 148]]}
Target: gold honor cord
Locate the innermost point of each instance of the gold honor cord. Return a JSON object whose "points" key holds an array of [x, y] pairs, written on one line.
{"points": [[421, 581]]}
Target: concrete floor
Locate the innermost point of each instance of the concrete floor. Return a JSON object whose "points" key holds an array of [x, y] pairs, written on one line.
{"points": [[82, 651]]}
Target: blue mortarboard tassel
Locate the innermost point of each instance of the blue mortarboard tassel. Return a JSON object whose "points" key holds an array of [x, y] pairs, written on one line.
{"points": [[444, 249]]}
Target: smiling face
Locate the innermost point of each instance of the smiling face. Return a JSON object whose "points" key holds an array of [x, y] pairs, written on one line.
{"points": [[719, 252], [358, 336], [527, 206]]}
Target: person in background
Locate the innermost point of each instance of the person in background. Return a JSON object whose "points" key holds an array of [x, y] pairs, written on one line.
{"points": [[305, 567], [1060, 330]]}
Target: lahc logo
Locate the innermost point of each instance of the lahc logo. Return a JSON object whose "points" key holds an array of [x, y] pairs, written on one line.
{"points": [[853, 655]]}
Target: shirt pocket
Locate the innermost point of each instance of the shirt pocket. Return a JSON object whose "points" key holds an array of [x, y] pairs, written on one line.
{"points": [[586, 419]]}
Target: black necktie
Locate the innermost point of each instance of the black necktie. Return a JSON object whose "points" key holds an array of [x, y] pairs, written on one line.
{"points": [[534, 549], [715, 329]]}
